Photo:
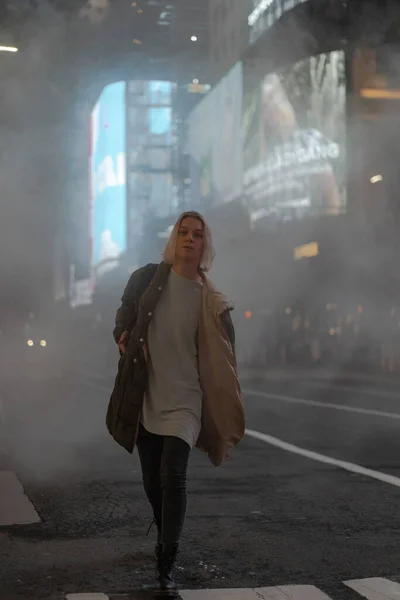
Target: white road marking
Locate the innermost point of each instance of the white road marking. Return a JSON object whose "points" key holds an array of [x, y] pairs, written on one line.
{"points": [[302, 592], [87, 597], [15, 506], [293, 400], [286, 592], [346, 388], [343, 407], [347, 466], [234, 594], [328, 383], [375, 588]]}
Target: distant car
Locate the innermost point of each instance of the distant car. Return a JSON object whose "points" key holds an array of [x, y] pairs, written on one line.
{"points": [[36, 339], [26, 347]]}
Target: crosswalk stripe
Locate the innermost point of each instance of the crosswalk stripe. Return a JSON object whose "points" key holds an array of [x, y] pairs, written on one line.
{"points": [[375, 588], [302, 592], [234, 594], [86, 597], [285, 592]]}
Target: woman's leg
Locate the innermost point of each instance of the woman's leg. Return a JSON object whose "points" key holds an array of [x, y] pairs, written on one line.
{"points": [[174, 464], [150, 449]]}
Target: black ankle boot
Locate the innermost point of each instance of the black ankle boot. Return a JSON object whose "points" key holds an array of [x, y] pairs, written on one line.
{"points": [[167, 586]]}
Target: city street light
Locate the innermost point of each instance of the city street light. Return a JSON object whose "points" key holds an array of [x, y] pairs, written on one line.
{"points": [[8, 49], [376, 179]]}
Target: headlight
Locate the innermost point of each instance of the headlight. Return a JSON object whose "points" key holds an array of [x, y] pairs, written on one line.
{"points": [[30, 343], [43, 343]]}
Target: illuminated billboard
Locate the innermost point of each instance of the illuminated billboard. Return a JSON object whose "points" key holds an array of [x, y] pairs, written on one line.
{"points": [[294, 140], [215, 144], [108, 177]]}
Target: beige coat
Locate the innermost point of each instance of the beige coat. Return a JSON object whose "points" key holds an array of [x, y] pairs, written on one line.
{"points": [[223, 423]]}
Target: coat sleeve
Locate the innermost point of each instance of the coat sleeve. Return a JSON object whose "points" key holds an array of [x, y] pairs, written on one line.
{"points": [[127, 312], [227, 324], [126, 316]]}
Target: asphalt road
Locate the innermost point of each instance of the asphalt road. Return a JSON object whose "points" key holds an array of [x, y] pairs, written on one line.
{"points": [[271, 516]]}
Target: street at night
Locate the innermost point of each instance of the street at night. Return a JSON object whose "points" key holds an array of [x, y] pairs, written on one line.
{"points": [[269, 518], [199, 299]]}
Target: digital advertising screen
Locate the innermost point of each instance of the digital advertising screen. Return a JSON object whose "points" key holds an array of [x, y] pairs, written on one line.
{"points": [[108, 176], [215, 144], [294, 139]]}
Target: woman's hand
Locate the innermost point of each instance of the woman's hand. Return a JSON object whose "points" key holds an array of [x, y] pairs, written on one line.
{"points": [[123, 341]]}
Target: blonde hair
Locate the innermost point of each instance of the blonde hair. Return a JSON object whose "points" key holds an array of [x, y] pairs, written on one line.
{"points": [[208, 252]]}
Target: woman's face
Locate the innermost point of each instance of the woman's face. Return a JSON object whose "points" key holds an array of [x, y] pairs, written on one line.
{"points": [[190, 240]]}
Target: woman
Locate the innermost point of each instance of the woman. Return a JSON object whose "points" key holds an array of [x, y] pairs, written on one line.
{"points": [[177, 384]]}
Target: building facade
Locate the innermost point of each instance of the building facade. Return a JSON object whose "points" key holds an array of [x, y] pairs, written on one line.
{"points": [[300, 138], [228, 34]]}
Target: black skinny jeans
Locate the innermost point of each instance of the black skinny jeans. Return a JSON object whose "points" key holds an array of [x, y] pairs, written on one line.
{"points": [[164, 461]]}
